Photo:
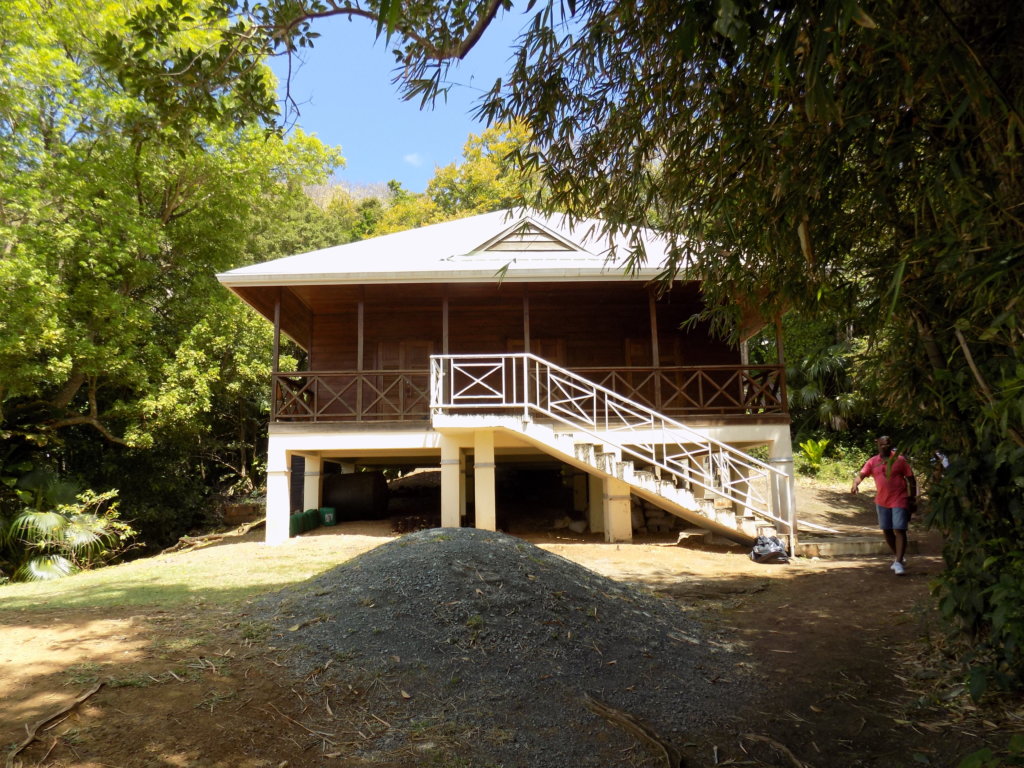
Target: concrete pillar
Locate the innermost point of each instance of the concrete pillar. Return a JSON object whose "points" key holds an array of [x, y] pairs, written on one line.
{"points": [[618, 518], [277, 493], [783, 490], [311, 484], [483, 480], [596, 503], [453, 483], [463, 487]]}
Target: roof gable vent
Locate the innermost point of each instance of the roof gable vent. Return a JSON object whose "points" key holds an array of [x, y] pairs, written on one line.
{"points": [[527, 236]]}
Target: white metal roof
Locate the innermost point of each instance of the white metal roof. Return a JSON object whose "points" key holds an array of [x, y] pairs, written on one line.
{"points": [[513, 245]]}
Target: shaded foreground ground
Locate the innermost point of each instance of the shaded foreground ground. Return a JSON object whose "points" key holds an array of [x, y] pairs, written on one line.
{"points": [[830, 647]]}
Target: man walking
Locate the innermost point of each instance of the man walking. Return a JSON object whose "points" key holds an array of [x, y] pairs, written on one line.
{"points": [[895, 497]]}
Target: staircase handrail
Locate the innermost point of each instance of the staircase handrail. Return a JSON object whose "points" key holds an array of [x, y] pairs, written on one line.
{"points": [[673, 433]]}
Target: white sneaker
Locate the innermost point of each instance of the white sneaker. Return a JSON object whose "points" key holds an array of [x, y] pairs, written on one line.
{"points": [[898, 569]]}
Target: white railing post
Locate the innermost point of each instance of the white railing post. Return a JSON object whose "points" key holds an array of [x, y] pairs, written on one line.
{"points": [[526, 388]]}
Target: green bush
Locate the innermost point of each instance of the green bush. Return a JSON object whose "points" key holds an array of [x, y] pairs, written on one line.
{"points": [[813, 452]]}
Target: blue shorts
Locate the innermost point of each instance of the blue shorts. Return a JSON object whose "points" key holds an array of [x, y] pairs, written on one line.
{"points": [[892, 518]]}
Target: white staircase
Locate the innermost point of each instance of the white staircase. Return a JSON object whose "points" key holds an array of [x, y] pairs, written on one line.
{"points": [[707, 483]]}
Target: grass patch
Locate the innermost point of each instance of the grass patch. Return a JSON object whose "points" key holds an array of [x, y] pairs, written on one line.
{"points": [[218, 575], [80, 675]]}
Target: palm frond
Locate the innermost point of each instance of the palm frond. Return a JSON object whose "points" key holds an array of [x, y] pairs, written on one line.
{"points": [[45, 568], [85, 532], [39, 528]]}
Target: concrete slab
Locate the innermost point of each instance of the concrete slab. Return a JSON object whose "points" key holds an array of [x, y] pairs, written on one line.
{"points": [[846, 546]]}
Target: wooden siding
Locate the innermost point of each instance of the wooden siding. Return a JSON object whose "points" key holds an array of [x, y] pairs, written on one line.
{"points": [[590, 324]]}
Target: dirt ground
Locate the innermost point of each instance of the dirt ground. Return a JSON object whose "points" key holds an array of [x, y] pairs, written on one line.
{"points": [[835, 643]]}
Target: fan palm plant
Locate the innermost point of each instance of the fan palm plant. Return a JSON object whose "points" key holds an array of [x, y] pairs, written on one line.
{"points": [[59, 530]]}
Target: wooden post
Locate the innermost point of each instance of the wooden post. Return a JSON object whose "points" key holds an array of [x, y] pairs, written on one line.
{"points": [[276, 364], [526, 319], [444, 323], [359, 358], [781, 358], [652, 309]]}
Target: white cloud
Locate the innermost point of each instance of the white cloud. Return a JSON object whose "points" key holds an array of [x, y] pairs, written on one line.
{"points": [[413, 159]]}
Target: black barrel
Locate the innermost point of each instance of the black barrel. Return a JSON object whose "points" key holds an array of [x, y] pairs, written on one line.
{"points": [[357, 496]]}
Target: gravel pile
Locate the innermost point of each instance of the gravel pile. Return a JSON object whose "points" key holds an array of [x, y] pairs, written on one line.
{"points": [[480, 645]]}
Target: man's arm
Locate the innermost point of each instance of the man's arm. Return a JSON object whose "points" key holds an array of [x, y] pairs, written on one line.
{"points": [[860, 476]]}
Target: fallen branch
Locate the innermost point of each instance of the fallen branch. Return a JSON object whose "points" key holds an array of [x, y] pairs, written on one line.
{"points": [[293, 721], [635, 727], [46, 721], [781, 748], [188, 543]]}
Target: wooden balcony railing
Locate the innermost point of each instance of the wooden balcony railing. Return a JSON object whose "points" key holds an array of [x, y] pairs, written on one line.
{"points": [[351, 396], [379, 396], [727, 390]]}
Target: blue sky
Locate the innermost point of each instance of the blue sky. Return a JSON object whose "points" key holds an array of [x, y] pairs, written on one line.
{"points": [[346, 97]]}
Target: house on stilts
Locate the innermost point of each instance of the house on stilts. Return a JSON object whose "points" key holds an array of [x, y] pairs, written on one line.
{"points": [[507, 337]]}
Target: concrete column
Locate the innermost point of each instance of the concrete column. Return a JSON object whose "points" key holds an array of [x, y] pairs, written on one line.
{"points": [[596, 503], [277, 493], [463, 487], [483, 480], [311, 485], [453, 483], [783, 490], [618, 518]]}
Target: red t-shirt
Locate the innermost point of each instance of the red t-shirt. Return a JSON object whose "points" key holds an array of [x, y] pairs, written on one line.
{"points": [[890, 480]]}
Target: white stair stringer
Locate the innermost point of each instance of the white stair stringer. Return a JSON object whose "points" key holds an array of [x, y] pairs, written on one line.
{"points": [[605, 463]]}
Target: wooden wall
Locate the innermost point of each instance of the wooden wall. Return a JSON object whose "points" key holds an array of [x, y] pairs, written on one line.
{"points": [[606, 324]]}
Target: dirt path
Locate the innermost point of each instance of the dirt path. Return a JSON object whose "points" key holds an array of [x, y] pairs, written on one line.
{"points": [[829, 642]]}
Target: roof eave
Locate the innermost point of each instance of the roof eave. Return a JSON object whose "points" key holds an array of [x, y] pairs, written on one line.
{"points": [[469, 276]]}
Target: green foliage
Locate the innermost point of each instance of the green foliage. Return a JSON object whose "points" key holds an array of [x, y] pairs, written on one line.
{"points": [[981, 590], [52, 538], [114, 334], [813, 452], [1012, 755]]}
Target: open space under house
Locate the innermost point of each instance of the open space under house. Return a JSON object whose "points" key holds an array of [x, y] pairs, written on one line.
{"points": [[512, 338]]}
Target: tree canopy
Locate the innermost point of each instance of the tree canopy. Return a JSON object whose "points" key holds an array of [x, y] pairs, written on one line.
{"points": [[113, 330]]}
